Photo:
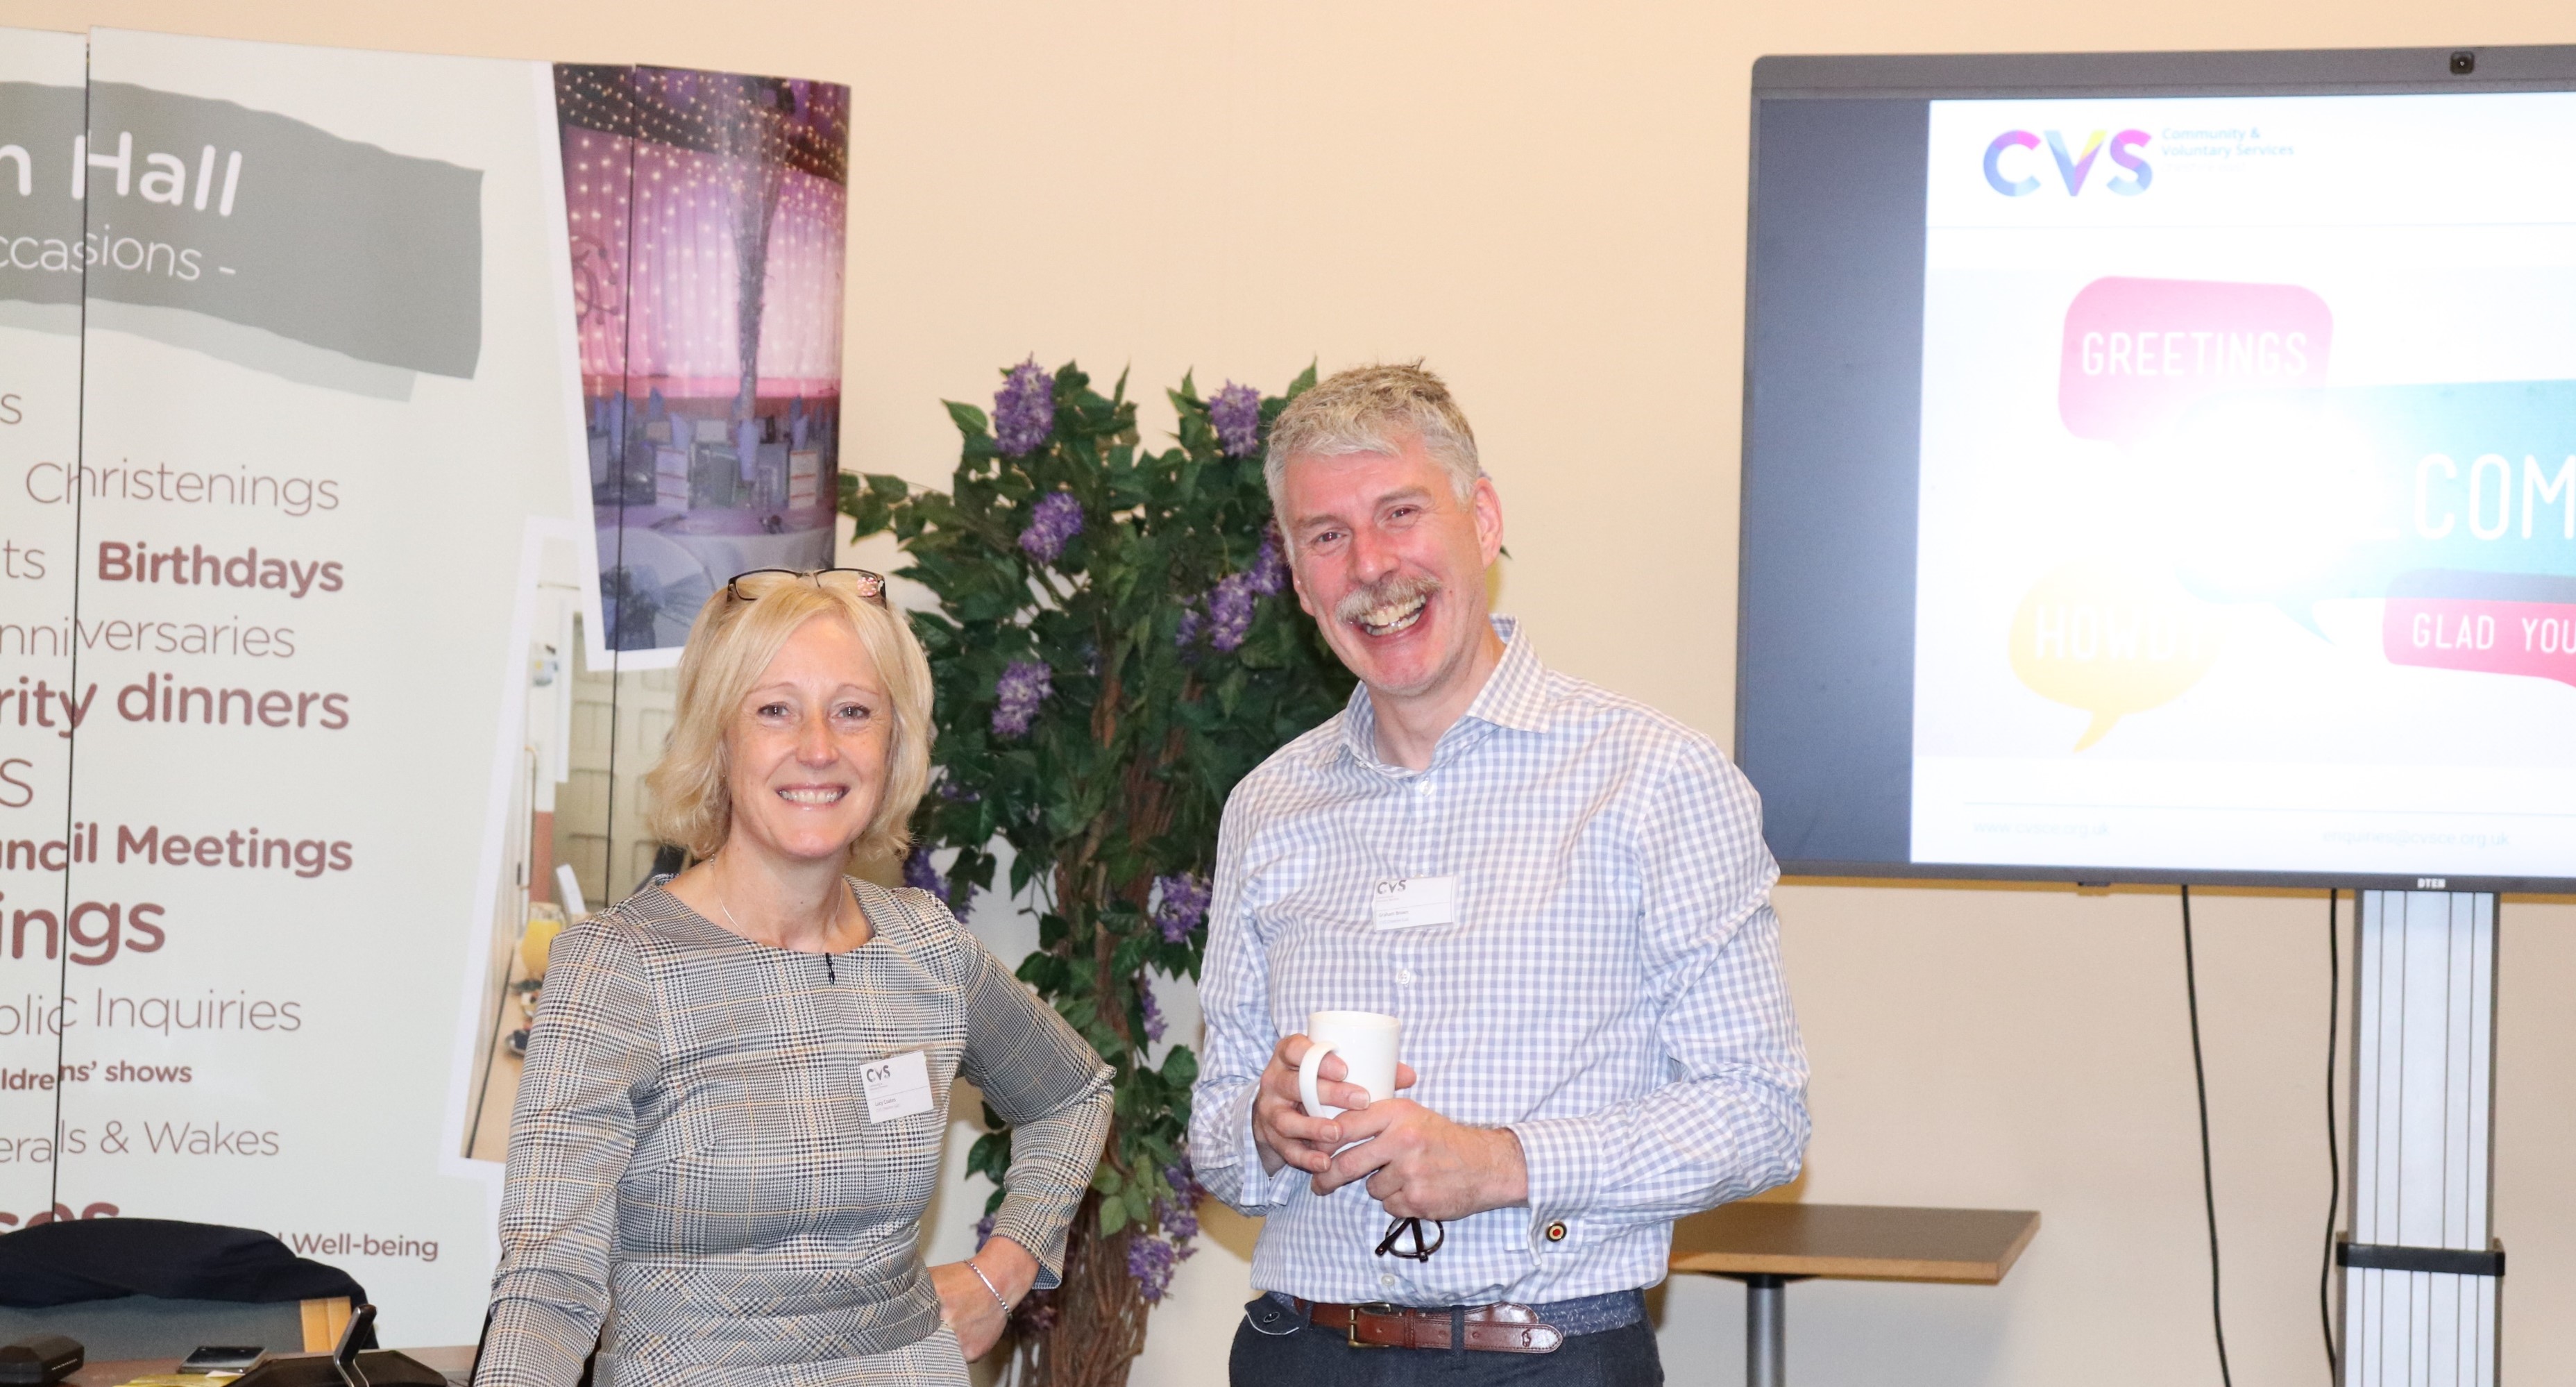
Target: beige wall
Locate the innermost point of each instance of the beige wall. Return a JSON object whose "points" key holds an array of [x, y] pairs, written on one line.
{"points": [[1547, 202]]}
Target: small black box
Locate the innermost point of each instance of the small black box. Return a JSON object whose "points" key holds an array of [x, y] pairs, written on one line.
{"points": [[40, 1359]]}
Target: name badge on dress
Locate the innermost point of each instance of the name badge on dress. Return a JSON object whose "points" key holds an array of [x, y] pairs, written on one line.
{"points": [[1409, 902], [897, 1086]]}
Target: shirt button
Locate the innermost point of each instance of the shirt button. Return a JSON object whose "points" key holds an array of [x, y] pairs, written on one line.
{"points": [[1404, 976], [1385, 1279], [1422, 787]]}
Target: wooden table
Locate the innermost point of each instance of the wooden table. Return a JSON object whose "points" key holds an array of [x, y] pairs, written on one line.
{"points": [[1767, 1246], [454, 1361]]}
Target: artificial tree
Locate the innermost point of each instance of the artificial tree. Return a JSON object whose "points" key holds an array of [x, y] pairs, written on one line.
{"points": [[1114, 646]]}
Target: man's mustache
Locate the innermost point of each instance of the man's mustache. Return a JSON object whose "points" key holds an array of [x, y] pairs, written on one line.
{"points": [[1393, 590]]}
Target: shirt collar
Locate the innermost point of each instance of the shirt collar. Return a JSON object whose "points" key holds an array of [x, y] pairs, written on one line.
{"points": [[1514, 696]]}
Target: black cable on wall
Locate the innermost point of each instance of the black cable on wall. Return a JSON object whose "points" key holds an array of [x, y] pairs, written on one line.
{"points": [[2208, 1180], [2334, 1158]]}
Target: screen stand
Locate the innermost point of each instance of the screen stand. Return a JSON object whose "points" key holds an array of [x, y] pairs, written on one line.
{"points": [[2423, 1273]]}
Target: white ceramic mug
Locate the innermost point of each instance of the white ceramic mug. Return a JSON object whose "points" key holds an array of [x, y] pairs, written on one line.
{"points": [[1365, 1040]]}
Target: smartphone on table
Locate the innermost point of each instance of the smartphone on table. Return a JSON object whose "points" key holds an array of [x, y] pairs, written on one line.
{"points": [[223, 1358]]}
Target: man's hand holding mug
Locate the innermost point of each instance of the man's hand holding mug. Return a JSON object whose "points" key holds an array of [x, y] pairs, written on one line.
{"points": [[1418, 1164], [1315, 1078], [1422, 1165]]}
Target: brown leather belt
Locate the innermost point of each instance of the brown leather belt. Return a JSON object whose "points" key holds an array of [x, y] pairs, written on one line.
{"points": [[1499, 1328]]}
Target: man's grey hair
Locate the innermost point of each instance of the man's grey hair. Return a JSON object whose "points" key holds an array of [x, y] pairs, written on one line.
{"points": [[1373, 409]]}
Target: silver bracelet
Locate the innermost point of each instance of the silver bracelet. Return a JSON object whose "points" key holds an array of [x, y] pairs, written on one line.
{"points": [[988, 1285]]}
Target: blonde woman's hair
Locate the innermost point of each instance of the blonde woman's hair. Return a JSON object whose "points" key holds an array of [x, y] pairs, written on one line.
{"points": [[1374, 409], [687, 799]]}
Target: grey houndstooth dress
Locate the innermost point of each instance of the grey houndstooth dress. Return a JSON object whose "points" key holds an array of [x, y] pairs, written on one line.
{"points": [[692, 1169]]}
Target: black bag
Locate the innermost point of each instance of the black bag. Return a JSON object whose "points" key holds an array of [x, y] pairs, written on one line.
{"points": [[74, 1260]]}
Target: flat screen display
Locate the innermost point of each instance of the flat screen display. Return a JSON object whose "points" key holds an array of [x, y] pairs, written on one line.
{"points": [[2164, 468]]}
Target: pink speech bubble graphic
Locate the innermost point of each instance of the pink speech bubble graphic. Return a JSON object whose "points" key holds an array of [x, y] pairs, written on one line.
{"points": [[2136, 349], [2483, 636]]}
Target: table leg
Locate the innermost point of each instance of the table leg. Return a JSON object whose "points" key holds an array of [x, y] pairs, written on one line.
{"points": [[1766, 1331]]}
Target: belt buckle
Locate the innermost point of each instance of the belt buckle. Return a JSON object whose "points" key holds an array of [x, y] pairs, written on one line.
{"points": [[1374, 1307]]}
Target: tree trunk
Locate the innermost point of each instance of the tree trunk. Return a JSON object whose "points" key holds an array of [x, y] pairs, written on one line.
{"points": [[1098, 1317]]}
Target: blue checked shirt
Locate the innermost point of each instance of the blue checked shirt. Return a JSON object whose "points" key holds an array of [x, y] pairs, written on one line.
{"points": [[1610, 990]]}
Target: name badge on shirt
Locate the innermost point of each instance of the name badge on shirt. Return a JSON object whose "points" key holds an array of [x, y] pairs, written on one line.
{"points": [[1410, 902], [897, 1086]]}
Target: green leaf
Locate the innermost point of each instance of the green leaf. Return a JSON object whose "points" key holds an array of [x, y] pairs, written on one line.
{"points": [[970, 421], [990, 1156]]}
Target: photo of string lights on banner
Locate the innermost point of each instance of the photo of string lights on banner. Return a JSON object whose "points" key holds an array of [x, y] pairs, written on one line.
{"points": [[708, 213]]}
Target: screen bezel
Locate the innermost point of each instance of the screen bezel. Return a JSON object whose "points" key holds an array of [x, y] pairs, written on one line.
{"points": [[2252, 73]]}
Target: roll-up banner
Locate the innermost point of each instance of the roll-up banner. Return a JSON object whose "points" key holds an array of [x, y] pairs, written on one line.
{"points": [[354, 407], [42, 77]]}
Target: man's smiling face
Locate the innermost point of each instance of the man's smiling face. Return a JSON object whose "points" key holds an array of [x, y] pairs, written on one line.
{"points": [[1391, 564]]}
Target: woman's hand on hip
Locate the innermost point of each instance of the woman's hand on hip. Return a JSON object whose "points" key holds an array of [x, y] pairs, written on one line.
{"points": [[977, 1311]]}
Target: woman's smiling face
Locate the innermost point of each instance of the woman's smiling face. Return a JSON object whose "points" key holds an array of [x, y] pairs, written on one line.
{"points": [[808, 750]]}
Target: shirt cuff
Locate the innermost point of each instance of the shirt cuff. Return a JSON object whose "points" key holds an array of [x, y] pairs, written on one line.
{"points": [[1561, 1158], [528, 1342], [1246, 1186], [1024, 1225]]}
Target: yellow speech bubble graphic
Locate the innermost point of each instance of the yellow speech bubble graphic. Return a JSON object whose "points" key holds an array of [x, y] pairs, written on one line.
{"points": [[2112, 641]]}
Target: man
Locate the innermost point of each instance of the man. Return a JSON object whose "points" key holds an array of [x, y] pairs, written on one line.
{"points": [[1596, 1039]]}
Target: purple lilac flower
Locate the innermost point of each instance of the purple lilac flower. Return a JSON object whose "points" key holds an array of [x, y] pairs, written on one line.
{"points": [[1229, 607], [1016, 695], [1236, 412], [983, 1231], [1180, 1219], [1184, 1181], [1184, 904], [1150, 1261], [1224, 615], [1179, 1214], [1153, 1013], [1056, 517], [1024, 409], [1269, 571], [919, 871]]}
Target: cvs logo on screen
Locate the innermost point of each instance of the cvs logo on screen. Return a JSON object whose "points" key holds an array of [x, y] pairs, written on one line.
{"points": [[2072, 169]]}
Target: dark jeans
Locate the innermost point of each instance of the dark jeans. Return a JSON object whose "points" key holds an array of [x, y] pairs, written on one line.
{"points": [[1313, 1357]]}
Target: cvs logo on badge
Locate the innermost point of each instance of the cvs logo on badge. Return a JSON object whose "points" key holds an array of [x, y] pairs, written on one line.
{"points": [[2072, 169], [1409, 902]]}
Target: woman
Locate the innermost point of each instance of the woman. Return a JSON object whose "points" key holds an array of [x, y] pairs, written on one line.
{"points": [[730, 1119]]}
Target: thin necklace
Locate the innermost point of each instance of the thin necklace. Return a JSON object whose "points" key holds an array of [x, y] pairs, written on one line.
{"points": [[738, 929], [727, 908]]}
